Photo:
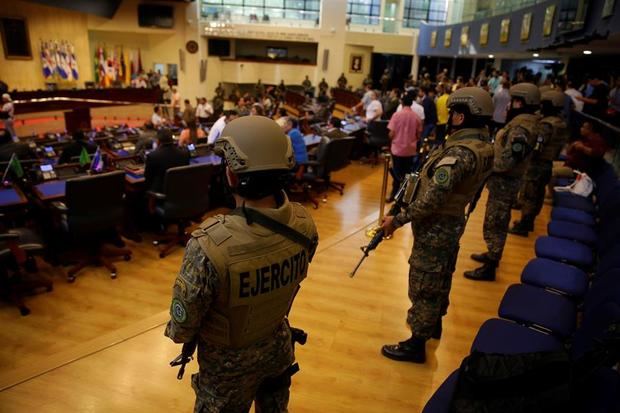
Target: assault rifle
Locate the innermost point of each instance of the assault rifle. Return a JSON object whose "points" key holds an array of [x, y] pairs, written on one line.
{"points": [[185, 357], [403, 198]]}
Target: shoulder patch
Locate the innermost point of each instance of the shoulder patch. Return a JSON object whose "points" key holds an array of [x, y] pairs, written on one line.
{"points": [[442, 176], [447, 161], [218, 233], [178, 311]]}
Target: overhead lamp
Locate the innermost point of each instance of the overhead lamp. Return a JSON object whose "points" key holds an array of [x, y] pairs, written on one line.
{"points": [[491, 56], [536, 55], [587, 52]]}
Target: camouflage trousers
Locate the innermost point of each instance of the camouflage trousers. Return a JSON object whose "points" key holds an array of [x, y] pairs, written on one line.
{"points": [[230, 380], [503, 193], [431, 265], [532, 194]]}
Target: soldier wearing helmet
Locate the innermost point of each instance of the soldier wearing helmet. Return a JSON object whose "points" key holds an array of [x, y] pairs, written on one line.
{"points": [[240, 274], [552, 136], [449, 181], [513, 148]]}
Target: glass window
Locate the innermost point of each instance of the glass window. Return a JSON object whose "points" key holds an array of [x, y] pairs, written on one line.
{"points": [[364, 11], [430, 11], [278, 9]]}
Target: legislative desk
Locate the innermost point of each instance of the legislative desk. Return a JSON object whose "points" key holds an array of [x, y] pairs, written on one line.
{"points": [[76, 103], [55, 190], [12, 197]]}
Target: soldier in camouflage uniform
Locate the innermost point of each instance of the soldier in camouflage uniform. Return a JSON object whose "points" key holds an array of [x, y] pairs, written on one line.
{"points": [[552, 136], [307, 85], [513, 147], [238, 278], [449, 181], [342, 81]]}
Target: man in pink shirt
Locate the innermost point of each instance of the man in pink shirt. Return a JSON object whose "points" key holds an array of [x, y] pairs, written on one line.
{"points": [[405, 128]]}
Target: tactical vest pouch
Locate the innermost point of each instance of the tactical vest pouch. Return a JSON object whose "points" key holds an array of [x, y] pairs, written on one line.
{"points": [[511, 383]]}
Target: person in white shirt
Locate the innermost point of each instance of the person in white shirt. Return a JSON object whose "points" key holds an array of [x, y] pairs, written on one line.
{"points": [[415, 106], [203, 111], [8, 116], [220, 124], [574, 93], [374, 110], [157, 120], [176, 102]]}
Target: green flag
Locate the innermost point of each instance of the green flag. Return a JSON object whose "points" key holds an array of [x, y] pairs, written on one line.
{"points": [[84, 159], [16, 166]]}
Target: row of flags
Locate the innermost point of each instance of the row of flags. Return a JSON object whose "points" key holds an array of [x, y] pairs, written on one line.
{"points": [[58, 60], [96, 165], [116, 64]]}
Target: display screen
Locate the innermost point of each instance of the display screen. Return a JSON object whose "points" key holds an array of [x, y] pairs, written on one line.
{"points": [[49, 149], [46, 168], [277, 52], [191, 147]]}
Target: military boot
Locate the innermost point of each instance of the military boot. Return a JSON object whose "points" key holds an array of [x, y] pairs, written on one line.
{"points": [[437, 330], [413, 349], [484, 273], [483, 257], [522, 228]]}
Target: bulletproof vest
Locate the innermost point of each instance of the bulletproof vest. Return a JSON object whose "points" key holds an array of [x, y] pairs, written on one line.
{"points": [[529, 123], [557, 140], [259, 274], [475, 140]]}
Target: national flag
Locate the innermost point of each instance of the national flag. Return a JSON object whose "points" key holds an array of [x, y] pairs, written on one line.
{"points": [[97, 164], [61, 65], [96, 66], [140, 70], [121, 67], [73, 62], [101, 67], [15, 166], [47, 68], [84, 158]]}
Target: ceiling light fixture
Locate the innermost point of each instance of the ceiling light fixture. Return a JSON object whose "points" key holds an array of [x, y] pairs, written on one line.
{"points": [[491, 56], [536, 55], [587, 52]]}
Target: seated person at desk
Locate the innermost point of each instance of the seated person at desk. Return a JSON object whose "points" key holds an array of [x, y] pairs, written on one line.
{"points": [[73, 151], [220, 124], [191, 134], [333, 129], [8, 148], [291, 128], [166, 156], [156, 119]]}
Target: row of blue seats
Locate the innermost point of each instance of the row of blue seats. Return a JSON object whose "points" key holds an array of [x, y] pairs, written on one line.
{"points": [[575, 275]]}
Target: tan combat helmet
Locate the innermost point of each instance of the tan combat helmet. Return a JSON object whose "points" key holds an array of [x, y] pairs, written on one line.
{"points": [[255, 143], [477, 100], [556, 98], [528, 91], [544, 88]]}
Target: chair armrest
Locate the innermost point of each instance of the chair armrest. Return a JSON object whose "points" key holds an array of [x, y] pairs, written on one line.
{"points": [[60, 206], [156, 195], [8, 236]]}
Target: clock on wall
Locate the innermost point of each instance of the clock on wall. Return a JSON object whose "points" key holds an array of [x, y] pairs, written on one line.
{"points": [[191, 47]]}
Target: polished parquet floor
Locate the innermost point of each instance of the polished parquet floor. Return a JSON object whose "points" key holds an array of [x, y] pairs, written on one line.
{"points": [[97, 345]]}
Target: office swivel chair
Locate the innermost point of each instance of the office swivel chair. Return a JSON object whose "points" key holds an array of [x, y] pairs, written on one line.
{"points": [[378, 138], [331, 156], [91, 213], [185, 198], [18, 247]]}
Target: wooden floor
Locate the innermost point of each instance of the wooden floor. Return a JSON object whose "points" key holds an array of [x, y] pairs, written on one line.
{"points": [[98, 345]]}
